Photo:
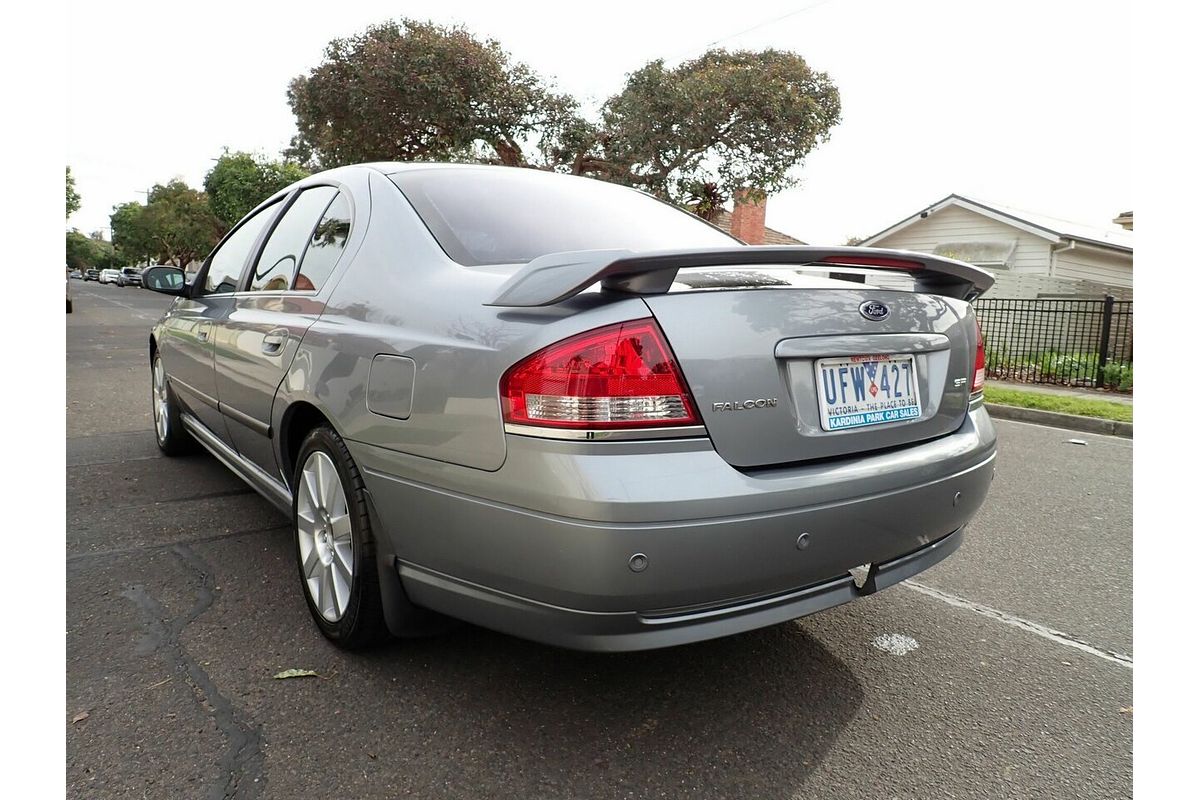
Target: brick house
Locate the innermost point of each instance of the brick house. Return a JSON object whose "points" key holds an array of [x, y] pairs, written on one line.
{"points": [[747, 222]]}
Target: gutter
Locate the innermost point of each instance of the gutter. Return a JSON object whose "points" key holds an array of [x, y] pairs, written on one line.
{"points": [[1055, 249]]}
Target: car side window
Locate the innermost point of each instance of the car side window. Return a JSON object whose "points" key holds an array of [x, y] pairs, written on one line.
{"points": [[225, 265], [326, 244], [276, 266]]}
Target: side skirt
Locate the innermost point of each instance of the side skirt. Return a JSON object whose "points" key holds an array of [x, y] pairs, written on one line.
{"points": [[274, 491]]}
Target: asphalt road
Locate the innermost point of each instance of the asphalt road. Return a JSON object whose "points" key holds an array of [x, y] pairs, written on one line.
{"points": [[183, 602]]}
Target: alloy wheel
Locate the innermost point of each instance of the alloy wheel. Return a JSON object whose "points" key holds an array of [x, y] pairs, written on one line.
{"points": [[161, 418], [324, 534]]}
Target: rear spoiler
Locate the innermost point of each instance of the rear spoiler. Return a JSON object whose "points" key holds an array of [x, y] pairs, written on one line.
{"points": [[552, 278]]}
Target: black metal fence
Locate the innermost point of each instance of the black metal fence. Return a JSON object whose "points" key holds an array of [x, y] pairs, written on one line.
{"points": [[1069, 342]]}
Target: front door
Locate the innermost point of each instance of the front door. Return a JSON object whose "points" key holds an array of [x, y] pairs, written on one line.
{"points": [[186, 348], [189, 341]]}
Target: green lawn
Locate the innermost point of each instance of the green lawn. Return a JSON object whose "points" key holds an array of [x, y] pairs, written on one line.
{"points": [[1105, 409]]}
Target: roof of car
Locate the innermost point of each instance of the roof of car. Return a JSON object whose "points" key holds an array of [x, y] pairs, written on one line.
{"points": [[392, 167]]}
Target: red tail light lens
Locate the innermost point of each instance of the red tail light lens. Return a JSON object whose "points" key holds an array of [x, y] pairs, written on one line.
{"points": [[619, 376], [874, 261], [980, 360]]}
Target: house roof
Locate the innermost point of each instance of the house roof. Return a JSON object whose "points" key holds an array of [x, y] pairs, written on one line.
{"points": [[1052, 228], [770, 235]]}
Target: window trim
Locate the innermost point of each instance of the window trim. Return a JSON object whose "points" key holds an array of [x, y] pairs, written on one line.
{"points": [[198, 288], [248, 270], [308, 242]]}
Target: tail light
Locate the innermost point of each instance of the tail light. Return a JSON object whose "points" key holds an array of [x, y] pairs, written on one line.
{"points": [[980, 360], [619, 376]]}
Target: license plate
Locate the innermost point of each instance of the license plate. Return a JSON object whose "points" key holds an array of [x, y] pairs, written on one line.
{"points": [[859, 391]]}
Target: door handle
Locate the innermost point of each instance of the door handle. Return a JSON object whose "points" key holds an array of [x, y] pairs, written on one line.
{"points": [[273, 342]]}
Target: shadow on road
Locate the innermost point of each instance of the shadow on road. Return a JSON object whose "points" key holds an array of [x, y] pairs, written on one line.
{"points": [[747, 716]]}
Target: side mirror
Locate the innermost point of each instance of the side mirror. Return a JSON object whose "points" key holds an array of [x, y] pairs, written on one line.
{"points": [[168, 280]]}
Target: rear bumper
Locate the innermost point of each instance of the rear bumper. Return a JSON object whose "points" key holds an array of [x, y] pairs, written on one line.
{"points": [[545, 547], [616, 632]]}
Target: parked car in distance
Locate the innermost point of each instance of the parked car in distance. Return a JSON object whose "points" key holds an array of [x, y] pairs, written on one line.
{"points": [[76, 274], [91, 274], [129, 276], [110, 275], [565, 410]]}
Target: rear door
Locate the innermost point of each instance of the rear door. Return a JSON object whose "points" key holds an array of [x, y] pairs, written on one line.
{"points": [[257, 340], [788, 374]]}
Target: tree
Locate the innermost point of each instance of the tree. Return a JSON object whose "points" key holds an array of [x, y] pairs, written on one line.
{"points": [[738, 121], [128, 234], [414, 91], [81, 251], [240, 181], [176, 225], [91, 251], [73, 199]]}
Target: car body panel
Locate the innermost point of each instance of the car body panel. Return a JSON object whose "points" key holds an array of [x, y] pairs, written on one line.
{"points": [[726, 343], [250, 367], [559, 526], [184, 338], [623, 631], [434, 314], [538, 535]]}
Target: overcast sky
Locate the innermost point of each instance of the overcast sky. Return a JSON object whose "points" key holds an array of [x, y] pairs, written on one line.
{"points": [[1021, 103]]}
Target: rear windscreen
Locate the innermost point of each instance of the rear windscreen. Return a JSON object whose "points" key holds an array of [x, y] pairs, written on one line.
{"points": [[513, 215]]}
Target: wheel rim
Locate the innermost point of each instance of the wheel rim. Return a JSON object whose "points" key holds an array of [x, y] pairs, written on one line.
{"points": [[161, 419], [323, 532]]}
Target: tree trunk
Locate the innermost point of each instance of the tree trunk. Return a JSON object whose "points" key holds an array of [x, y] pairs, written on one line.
{"points": [[509, 153]]}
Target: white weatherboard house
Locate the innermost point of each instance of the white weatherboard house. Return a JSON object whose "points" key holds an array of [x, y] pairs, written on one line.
{"points": [[1030, 254]]}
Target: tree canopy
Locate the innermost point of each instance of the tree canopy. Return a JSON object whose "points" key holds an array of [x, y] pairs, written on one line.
{"points": [[73, 199], [239, 181], [409, 90], [176, 225], [738, 120], [91, 251]]}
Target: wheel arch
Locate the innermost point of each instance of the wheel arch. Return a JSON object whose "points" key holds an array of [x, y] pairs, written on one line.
{"points": [[298, 419]]}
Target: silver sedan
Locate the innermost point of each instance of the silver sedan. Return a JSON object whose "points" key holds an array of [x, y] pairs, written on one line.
{"points": [[566, 410]]}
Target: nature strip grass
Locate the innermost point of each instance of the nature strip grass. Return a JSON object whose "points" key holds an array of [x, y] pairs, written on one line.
{"points": [[1063, 404]]}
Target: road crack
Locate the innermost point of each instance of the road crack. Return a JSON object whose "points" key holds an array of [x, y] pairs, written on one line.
{"points": [[242, 763]]}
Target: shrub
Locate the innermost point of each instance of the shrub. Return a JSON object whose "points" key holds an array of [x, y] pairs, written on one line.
{"points": [[1119, 375]]}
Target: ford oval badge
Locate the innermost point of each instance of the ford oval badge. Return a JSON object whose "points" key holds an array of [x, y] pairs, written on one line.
{"points": [[874, 310]]}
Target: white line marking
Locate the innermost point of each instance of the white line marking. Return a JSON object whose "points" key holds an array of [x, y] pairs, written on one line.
{"points": [[1018, 622], [136, 311], [1110, 438]]}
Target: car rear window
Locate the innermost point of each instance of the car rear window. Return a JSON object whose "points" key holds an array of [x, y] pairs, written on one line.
{"points": [[511, 216]]}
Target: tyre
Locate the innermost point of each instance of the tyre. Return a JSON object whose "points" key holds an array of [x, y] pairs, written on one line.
{"points": [[70, 308], [168, 428], [335, 545]]}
